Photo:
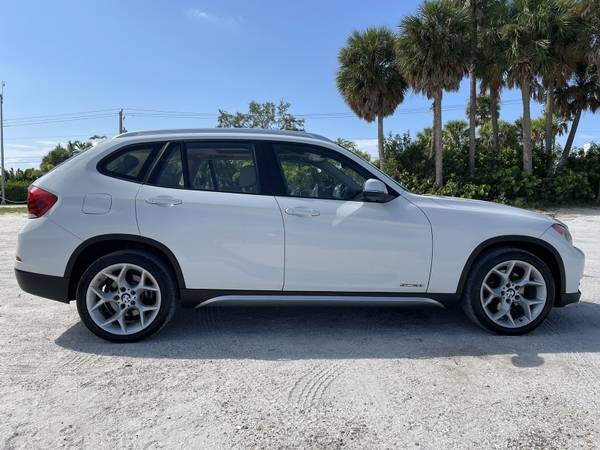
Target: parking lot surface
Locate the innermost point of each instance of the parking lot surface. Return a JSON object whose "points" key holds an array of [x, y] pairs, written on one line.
{"points": [[356, 376]]}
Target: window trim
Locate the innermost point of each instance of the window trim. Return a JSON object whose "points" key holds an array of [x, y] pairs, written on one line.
{"points": [[157, 148], [330, 153]]}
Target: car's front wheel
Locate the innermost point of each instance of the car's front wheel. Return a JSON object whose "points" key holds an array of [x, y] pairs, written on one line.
{"points": [[126, 296], [509, 291]]}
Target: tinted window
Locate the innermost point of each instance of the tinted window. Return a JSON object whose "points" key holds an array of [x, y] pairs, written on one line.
{"points": [[225, 167], [130, 163], [169, 170], [318, 174]]}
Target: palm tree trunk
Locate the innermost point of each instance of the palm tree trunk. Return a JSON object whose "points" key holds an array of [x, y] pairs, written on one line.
{"points": [[495, 131], [567, 150], [380, 139], [527, 155], [472, 112], [549, 119], [437, 138]]}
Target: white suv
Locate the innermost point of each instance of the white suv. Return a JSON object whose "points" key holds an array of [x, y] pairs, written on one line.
{"points": [[148, 220]]}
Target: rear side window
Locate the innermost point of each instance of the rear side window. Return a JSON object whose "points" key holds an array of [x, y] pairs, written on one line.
{"points": [[222, 167], [130, 163]]}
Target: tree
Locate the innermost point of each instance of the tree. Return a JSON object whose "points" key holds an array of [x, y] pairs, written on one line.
{"points": [[351, 145], [491, 62], [368, 77], [266, 115], [60, 154], [433, 56], [476, 8], [485, 110], [564, 34], [527, 50], [582, 94]]}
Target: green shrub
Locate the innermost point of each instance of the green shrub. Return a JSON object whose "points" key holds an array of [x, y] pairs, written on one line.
{"points": [[16, 190]]}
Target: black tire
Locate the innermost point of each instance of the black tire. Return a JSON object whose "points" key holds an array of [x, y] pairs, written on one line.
{"points": [[471, 302], [163, 276]]}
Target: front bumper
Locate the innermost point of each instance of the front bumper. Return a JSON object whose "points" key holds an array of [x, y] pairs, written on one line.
{"points": [[47, 286]]}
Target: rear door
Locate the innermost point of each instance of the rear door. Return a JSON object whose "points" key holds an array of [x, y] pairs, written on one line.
{"points": [[205, 202]]}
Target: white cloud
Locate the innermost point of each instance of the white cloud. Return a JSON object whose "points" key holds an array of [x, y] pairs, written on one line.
{"points": [[230, 22], [368, 146]]}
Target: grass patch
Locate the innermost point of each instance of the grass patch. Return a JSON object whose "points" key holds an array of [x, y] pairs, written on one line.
{"points": [[18, 210]]}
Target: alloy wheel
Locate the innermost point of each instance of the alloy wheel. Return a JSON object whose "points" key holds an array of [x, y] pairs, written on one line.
{"points": [[513, 293], [123, 299]]}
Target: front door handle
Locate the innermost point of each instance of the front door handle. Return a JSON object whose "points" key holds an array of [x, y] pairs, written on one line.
{"points": [[164, 200], [302, 212]]}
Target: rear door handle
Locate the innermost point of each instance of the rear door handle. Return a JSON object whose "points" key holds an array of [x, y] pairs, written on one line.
{"points": [[164, 200], [302, 212]]}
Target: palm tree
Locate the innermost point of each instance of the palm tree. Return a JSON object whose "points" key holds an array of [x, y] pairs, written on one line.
{"points": [[433, 55], [492, 64], [476, 8], [527, 49], [368, 78], [582, 95], [564, 35]]}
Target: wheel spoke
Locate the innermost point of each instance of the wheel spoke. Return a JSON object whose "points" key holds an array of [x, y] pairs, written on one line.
{"points": [[534, 283], [122, 274], [110, 275], [533, 301], [527, 308], [499, 315], [101, 302], [112, 318], [509, 315], [142, 283]]}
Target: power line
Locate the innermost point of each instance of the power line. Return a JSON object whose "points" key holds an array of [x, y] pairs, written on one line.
{"points": [[63, 114]]}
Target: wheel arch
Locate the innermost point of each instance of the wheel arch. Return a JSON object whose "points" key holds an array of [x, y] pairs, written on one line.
{"points": [[538, 247], [98, 246]]}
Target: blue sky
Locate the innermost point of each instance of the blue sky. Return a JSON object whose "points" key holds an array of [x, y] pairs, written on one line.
{"points": [[64, 57]]}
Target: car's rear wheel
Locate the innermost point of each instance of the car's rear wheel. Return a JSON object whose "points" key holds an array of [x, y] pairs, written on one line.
{"points": [[509, 291], [126, 296]]}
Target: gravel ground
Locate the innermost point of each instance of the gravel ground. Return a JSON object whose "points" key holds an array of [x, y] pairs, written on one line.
{"points": [[366, 376]]}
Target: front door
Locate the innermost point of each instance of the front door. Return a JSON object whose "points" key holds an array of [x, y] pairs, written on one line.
{"points": [[335, 242]]}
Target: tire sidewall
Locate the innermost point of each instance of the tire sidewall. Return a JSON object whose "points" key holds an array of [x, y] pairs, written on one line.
{"points": [[477, 277], [149, 263]]}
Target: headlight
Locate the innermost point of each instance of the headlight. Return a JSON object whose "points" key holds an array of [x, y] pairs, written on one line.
{"points": [[563, 230]]}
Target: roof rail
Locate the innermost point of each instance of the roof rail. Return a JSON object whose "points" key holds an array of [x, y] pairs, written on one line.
{"points": [[223, 131]]}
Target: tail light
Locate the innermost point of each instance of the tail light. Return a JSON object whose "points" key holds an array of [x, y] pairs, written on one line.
{"points": [[39, 201]]}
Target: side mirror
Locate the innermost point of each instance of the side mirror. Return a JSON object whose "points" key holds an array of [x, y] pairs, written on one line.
{"points": [[375, 191]]}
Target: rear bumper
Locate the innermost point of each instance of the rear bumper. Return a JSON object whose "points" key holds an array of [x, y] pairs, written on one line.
{"points": [[47, 286], [568, 299]]}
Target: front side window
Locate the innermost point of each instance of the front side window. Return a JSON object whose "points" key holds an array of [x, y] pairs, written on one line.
{"points": [[222, 167], [310, 172], [129, 163]]}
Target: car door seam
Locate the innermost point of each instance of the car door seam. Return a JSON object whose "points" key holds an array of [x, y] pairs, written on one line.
{"points": [[284, 242]]}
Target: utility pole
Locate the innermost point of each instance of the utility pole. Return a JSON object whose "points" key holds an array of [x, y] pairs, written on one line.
{"points": [[121, 117], [3, 181]]}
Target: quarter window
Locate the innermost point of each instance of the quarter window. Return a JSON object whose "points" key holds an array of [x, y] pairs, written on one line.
{"points": [[129, 164], [318, 174]]}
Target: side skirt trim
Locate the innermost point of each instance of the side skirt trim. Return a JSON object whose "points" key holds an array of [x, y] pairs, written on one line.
{"points": [[199, 297]]}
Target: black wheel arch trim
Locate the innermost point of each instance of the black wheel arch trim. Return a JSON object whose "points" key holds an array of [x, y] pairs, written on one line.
{"points": [[127, 238], [512, 239]]}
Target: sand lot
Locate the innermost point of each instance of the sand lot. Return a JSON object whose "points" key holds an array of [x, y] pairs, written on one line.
{"points": [[359, 376]]}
